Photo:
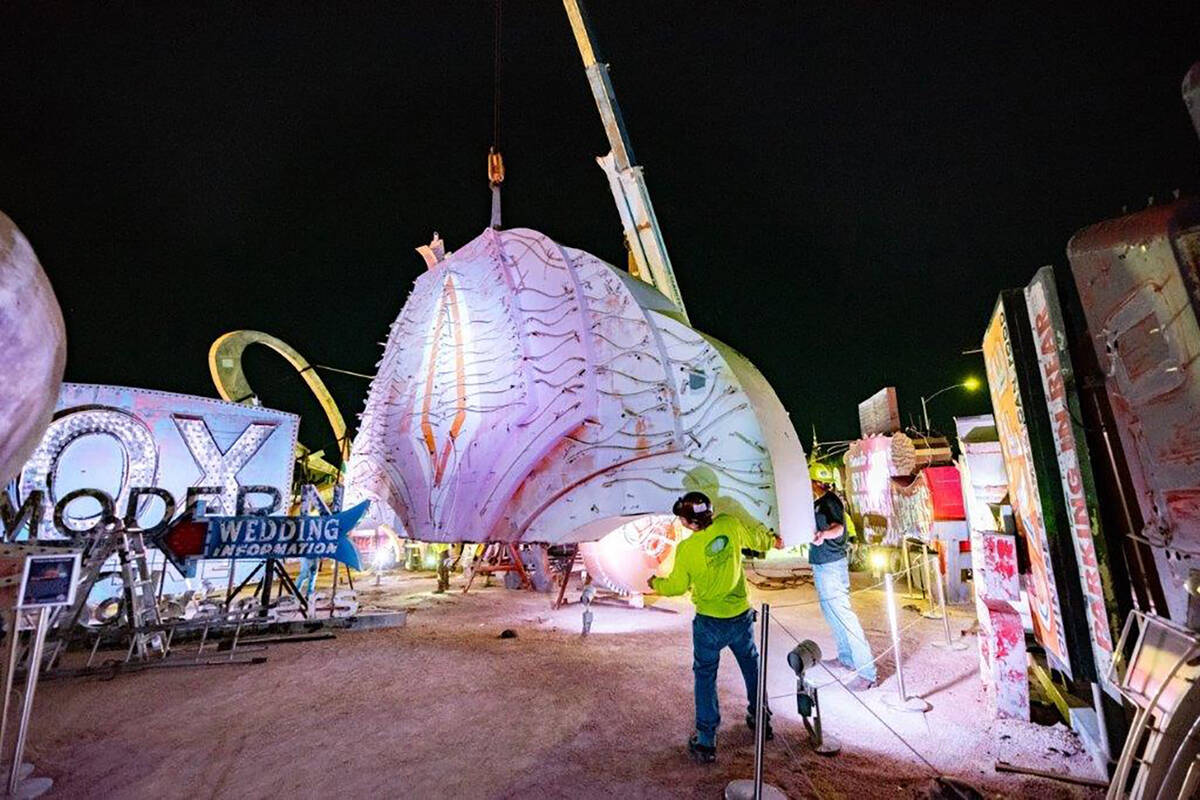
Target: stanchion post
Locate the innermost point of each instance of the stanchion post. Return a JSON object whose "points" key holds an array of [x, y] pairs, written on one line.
{"points": [[333, 590], [229, 585], [907, 563], [37, 786], [743, 789], [760, 701], [951, 644], [895, 629], [14, 647], [930, 612], [13, 637], [900, 701]]}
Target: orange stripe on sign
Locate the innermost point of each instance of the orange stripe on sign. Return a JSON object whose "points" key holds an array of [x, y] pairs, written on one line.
{"points": [[426, 425], [460, 377]]}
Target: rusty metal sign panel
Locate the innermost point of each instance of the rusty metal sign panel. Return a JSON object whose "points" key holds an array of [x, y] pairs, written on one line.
{"points": [[1139, 285], [1191, 94], [879, 413]]}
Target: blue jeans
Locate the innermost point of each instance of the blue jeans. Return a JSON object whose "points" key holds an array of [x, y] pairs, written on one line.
{"points": [[833, 589], [308, 575], [711, 635]]}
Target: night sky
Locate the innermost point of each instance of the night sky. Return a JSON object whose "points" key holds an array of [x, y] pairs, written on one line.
{"points": [[844, 187]]}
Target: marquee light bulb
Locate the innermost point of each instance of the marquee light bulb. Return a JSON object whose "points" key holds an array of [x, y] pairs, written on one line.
{"points": [[879, 560]]}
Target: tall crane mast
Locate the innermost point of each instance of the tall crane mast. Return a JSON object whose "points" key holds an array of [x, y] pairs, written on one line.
{"points": [[642, 233]]}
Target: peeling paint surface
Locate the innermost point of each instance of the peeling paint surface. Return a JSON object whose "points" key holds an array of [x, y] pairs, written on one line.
{"points": [[998, 603], [33, 348], [1138, 283]]}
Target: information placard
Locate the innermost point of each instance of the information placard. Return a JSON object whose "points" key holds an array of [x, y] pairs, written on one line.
{"points": [[49, 580]]}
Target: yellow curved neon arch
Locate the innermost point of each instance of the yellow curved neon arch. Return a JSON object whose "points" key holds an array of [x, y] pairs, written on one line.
{"points": [[225, 365]]}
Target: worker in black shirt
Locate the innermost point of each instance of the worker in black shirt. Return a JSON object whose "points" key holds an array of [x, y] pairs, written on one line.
{"points": [[831, 576]]}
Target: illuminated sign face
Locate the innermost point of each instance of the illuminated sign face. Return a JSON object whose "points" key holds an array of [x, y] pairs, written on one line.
{"points": [[114, 439], [624, 559], [1023, 487], [869, 480], [528, 390]]}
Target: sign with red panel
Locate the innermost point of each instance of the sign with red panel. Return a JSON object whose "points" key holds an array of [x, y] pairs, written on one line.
{"points": [[1024, 495], [945, 492]]}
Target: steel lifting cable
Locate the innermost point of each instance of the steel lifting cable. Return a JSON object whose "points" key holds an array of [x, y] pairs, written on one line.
{"points": [[341, 371], [496, 81]]}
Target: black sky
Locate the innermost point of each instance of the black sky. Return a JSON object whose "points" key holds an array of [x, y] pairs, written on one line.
{"points": [[844, 187]]}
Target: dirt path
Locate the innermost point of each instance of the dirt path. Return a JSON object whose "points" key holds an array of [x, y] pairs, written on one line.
{"points": [[442, 708]]}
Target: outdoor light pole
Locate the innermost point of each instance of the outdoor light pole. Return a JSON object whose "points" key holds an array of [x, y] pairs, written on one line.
{"points": [[970, 384]]}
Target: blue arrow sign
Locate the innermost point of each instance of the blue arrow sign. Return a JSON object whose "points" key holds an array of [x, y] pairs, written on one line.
{"points": [[257, 537]]}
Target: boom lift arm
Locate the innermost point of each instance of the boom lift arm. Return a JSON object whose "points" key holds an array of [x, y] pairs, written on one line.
{"points": [[642, 233]]}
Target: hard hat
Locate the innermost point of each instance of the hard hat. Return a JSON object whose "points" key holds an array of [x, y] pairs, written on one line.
{"points": [[695, 508], [822, 473]]}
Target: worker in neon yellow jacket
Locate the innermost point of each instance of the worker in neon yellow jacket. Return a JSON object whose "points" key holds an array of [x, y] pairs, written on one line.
{"points": [[709, 563]]}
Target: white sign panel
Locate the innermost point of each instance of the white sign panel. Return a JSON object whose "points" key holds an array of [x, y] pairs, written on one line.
{"points": [[114, 439]]}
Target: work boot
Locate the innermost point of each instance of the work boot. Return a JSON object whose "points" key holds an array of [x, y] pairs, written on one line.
{"points": [[701, 752], [768, 732]]}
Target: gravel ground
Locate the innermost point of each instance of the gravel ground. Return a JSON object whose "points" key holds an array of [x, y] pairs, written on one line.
{"points": [[443, 708]]}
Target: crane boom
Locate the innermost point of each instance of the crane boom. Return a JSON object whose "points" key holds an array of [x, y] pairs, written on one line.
{"points": [[642, 232]]}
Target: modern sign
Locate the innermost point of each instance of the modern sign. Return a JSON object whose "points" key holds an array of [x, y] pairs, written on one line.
{"points": [[1074, 465], [118, 440], [49, 580]]}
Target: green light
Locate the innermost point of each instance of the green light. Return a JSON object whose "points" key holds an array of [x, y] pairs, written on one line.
{"points": [[971, 384]]}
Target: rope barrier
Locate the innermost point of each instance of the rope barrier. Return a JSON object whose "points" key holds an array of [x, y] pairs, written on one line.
{"points": [[883, 653], [933, 770], [876, 585], [835, 679]]}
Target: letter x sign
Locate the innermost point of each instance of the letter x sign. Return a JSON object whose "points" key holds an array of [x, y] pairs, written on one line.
{"points": [[221, 467]]}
